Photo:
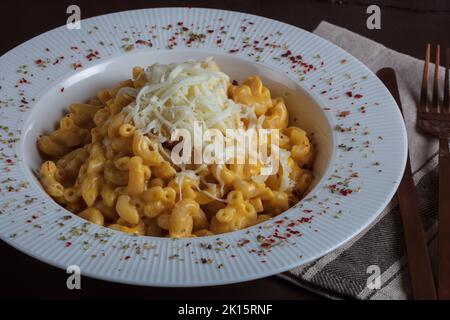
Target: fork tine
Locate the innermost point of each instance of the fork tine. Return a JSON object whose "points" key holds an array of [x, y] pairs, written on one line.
{"points": [[446, 105], [424, 88], [435, 99]]}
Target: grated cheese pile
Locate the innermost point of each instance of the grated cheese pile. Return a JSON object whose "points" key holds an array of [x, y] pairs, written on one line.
{"points": [[177, 95]]}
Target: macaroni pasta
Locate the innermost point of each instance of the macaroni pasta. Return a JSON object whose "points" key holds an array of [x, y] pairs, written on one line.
{"points": [[110, 168]]}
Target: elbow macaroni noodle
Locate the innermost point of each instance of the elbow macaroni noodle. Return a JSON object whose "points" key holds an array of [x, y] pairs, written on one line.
{"points": [[111, 174]]}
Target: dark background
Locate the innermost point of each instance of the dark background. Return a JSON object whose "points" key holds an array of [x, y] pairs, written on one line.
{"points": [[406, 26]]}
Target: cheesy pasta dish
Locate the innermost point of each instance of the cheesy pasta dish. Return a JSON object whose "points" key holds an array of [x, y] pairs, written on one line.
{"points": [[109, 160]]}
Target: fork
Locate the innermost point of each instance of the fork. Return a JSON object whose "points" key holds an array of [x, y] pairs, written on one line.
{"points": [[434, 119]]}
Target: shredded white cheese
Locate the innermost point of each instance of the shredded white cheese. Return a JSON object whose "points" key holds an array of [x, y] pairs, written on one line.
{"points": [[286, 181], [178, 94]]}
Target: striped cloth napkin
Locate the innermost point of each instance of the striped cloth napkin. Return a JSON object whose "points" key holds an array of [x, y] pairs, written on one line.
{"points": [[343, 272]]}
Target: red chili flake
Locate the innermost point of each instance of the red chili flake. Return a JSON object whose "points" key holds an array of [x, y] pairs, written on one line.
{"points": [[304, 220], [180, 23], [358, 96], [345, 192], [349, 94], [68, 244], [23, 80], [323, 92], [286, 54], [185, 29], [38, 61], [77, 65], [233, 50], [243, 242], [343, 61], [126, 258], [343, 114], [147, 43], [9, 161], [307, 211], [92, 55], [62, 89], [210, 31]]}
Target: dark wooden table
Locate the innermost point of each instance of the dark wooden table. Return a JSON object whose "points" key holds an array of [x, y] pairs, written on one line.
{"points": [[406, 26]]}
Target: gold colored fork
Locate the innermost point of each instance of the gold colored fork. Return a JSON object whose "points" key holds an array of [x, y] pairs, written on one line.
{"points": [[434, 119]]}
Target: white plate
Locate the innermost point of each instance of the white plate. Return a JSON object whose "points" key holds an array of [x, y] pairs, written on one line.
{"points": [[361, 153]]}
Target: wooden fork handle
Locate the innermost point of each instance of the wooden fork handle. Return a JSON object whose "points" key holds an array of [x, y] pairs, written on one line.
{"points": [[444, 221]]}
